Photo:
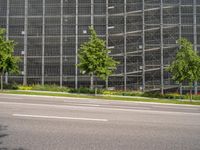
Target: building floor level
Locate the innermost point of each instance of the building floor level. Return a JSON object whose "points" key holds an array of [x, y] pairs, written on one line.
{"points": [[141, 35]]}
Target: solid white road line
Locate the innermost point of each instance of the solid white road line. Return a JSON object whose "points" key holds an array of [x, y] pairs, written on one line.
{"points": [[48, 105], [93, 100], [44, 96], [4, 97], [57, 117], [177, 107], [100, 108], [80, 104]]}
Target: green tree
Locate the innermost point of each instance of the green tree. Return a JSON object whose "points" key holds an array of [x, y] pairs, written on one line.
{"points": [[94, 58], [8, 62], [186, 66]]}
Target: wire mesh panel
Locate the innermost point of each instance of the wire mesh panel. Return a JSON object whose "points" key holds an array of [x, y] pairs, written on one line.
{"points": [[35, 65], [52, 46], [35, 8], [3, 13], [52, 7], [198, 25], [17, 8], [2, 22], [141, 35], [116, 82], [16, 26], [52, 70], [68, 66], [3, 8]]}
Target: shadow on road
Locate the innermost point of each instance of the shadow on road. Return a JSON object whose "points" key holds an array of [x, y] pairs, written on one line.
{"points": [[3, 134]]}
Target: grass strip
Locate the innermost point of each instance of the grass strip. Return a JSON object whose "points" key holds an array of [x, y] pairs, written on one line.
{"points": [[101, 97]]}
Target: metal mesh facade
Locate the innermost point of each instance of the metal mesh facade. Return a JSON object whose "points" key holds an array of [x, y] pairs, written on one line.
{"points": [[141, 34]]}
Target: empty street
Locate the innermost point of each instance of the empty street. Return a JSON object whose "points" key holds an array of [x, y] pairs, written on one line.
{"points": [[53, 123]]}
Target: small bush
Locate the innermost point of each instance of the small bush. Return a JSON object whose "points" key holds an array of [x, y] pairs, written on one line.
{"points": [[84, 90], [122, 93], [173, 96], [194, 97], [25, 87], [54, 88], [10, 86], [108, 92], [152, 95], [132, 93], [37, 87]]}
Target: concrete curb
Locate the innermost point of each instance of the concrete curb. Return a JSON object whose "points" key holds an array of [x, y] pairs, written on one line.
{"points": [[117, 96], [137, 97], [76, 98]]}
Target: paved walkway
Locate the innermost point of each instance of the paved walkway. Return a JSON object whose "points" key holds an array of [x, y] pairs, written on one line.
{"points": [[117, 96]]}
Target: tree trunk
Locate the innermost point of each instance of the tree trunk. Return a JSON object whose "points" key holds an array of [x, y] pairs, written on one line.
{"points": [[106, 83], [180, 89], [95, 87], [6, 78], [92, 81], [191, 93], [1, 82]]}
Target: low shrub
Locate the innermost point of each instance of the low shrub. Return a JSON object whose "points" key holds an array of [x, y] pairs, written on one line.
{"points": [[81, 90], [122, 93], [167, 96], [109, 92], [25, 87], [9, 86], [37, 87], [132, 93], [84, 90], [152, 95], [53, 87], [194, 97], [173, 96]]}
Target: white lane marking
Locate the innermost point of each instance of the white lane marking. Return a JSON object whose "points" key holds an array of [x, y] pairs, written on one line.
{"points": [[105, 100], [93, 105], [183, 108], [57, 117], [129, 107], [10, 97], [77, 104], [90, 105], [44, 96], [101, 108]]}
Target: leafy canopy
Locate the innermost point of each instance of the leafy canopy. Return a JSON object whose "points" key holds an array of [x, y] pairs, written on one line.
{"points": [[186, 66], [94, 57], [8, 62]]}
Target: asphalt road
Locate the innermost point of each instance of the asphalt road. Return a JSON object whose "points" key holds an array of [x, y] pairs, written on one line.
{"points": [[46, 123]]}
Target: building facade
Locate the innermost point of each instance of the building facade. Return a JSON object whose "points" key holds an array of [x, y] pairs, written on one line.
{"points": [[141, 35]]}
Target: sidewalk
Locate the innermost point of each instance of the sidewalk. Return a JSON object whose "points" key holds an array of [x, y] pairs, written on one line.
{"points": [[114, 96]]}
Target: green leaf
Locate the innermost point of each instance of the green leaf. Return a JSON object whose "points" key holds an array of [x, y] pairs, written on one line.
{"points": [[186, 66], [94, 57], [8, 62]]}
